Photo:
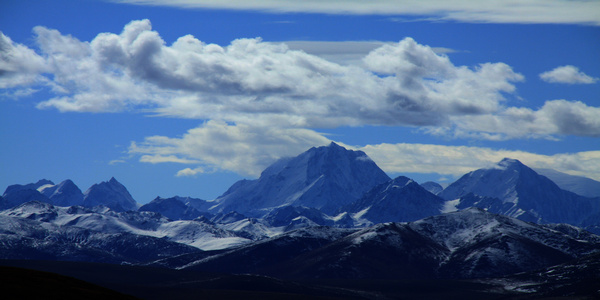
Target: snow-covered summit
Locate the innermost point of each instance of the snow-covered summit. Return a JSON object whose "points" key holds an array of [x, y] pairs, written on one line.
{"points": [[506, 163], [17, 194], [398, 200], [513, 189], [30, 186], [111, 194], [65, 193], [325, 178], [499, 181], [174, 208]]}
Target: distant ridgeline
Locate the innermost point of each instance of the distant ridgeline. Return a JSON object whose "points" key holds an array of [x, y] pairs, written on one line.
{"points": [[327, 213]]}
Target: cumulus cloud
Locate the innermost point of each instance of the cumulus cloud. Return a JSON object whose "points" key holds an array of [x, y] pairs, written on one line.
{"points": [[251, 79], [268, 84], [19, 66], [555, 117], [567, 74], [347, 52], [497, 11]]}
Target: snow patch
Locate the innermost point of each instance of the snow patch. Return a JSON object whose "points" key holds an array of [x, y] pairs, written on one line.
{"points": [[219, 243], [450, 206], [359, 214], [363, 237], [45, 186], [338, 217]]}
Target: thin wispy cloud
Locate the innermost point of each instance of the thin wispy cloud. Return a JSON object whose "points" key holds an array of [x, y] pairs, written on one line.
{"points": [[491, 11]]}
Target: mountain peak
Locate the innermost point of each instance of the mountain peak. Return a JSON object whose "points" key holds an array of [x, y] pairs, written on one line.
{"points": [[398, 200], [65, 193], [402, 181], [43, 182], [331, 148], [513, 189], [509, 163], [113, 194], [325, 178], [334, 145], [29, 186]]}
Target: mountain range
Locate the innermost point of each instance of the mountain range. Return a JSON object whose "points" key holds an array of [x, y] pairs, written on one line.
{"points": [[471, 243], [327, 213], [111, 194]]}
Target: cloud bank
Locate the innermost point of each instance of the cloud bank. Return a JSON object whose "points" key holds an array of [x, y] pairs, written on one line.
{"points": [[248, 150], [567, 74], [458, 160], [260, 101], [490, 11], [268, 84], [216, 145]]}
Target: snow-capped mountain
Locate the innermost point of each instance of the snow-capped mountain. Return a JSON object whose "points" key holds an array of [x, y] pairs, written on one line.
{"points": [[232, 216], [483, 244], [577, 184], [65, 193], [513, 189], [286, 215], [177, 208], [259, 257], [398, 200], [307, 217], [30, 186], [31, 238], [18, 194], [325, 178], [466, 244], [432, 187], [111, 194], [199, 233]]}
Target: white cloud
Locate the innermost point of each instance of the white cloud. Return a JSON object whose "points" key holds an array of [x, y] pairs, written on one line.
{"points": [[268, 84], [567, 74], [84, 81], [248, 150], [458, 160], [490, 11], [19, 66], [555, 117], [346, 52], [156, 158], [243, 149], [189, 172], [116, 161]]}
